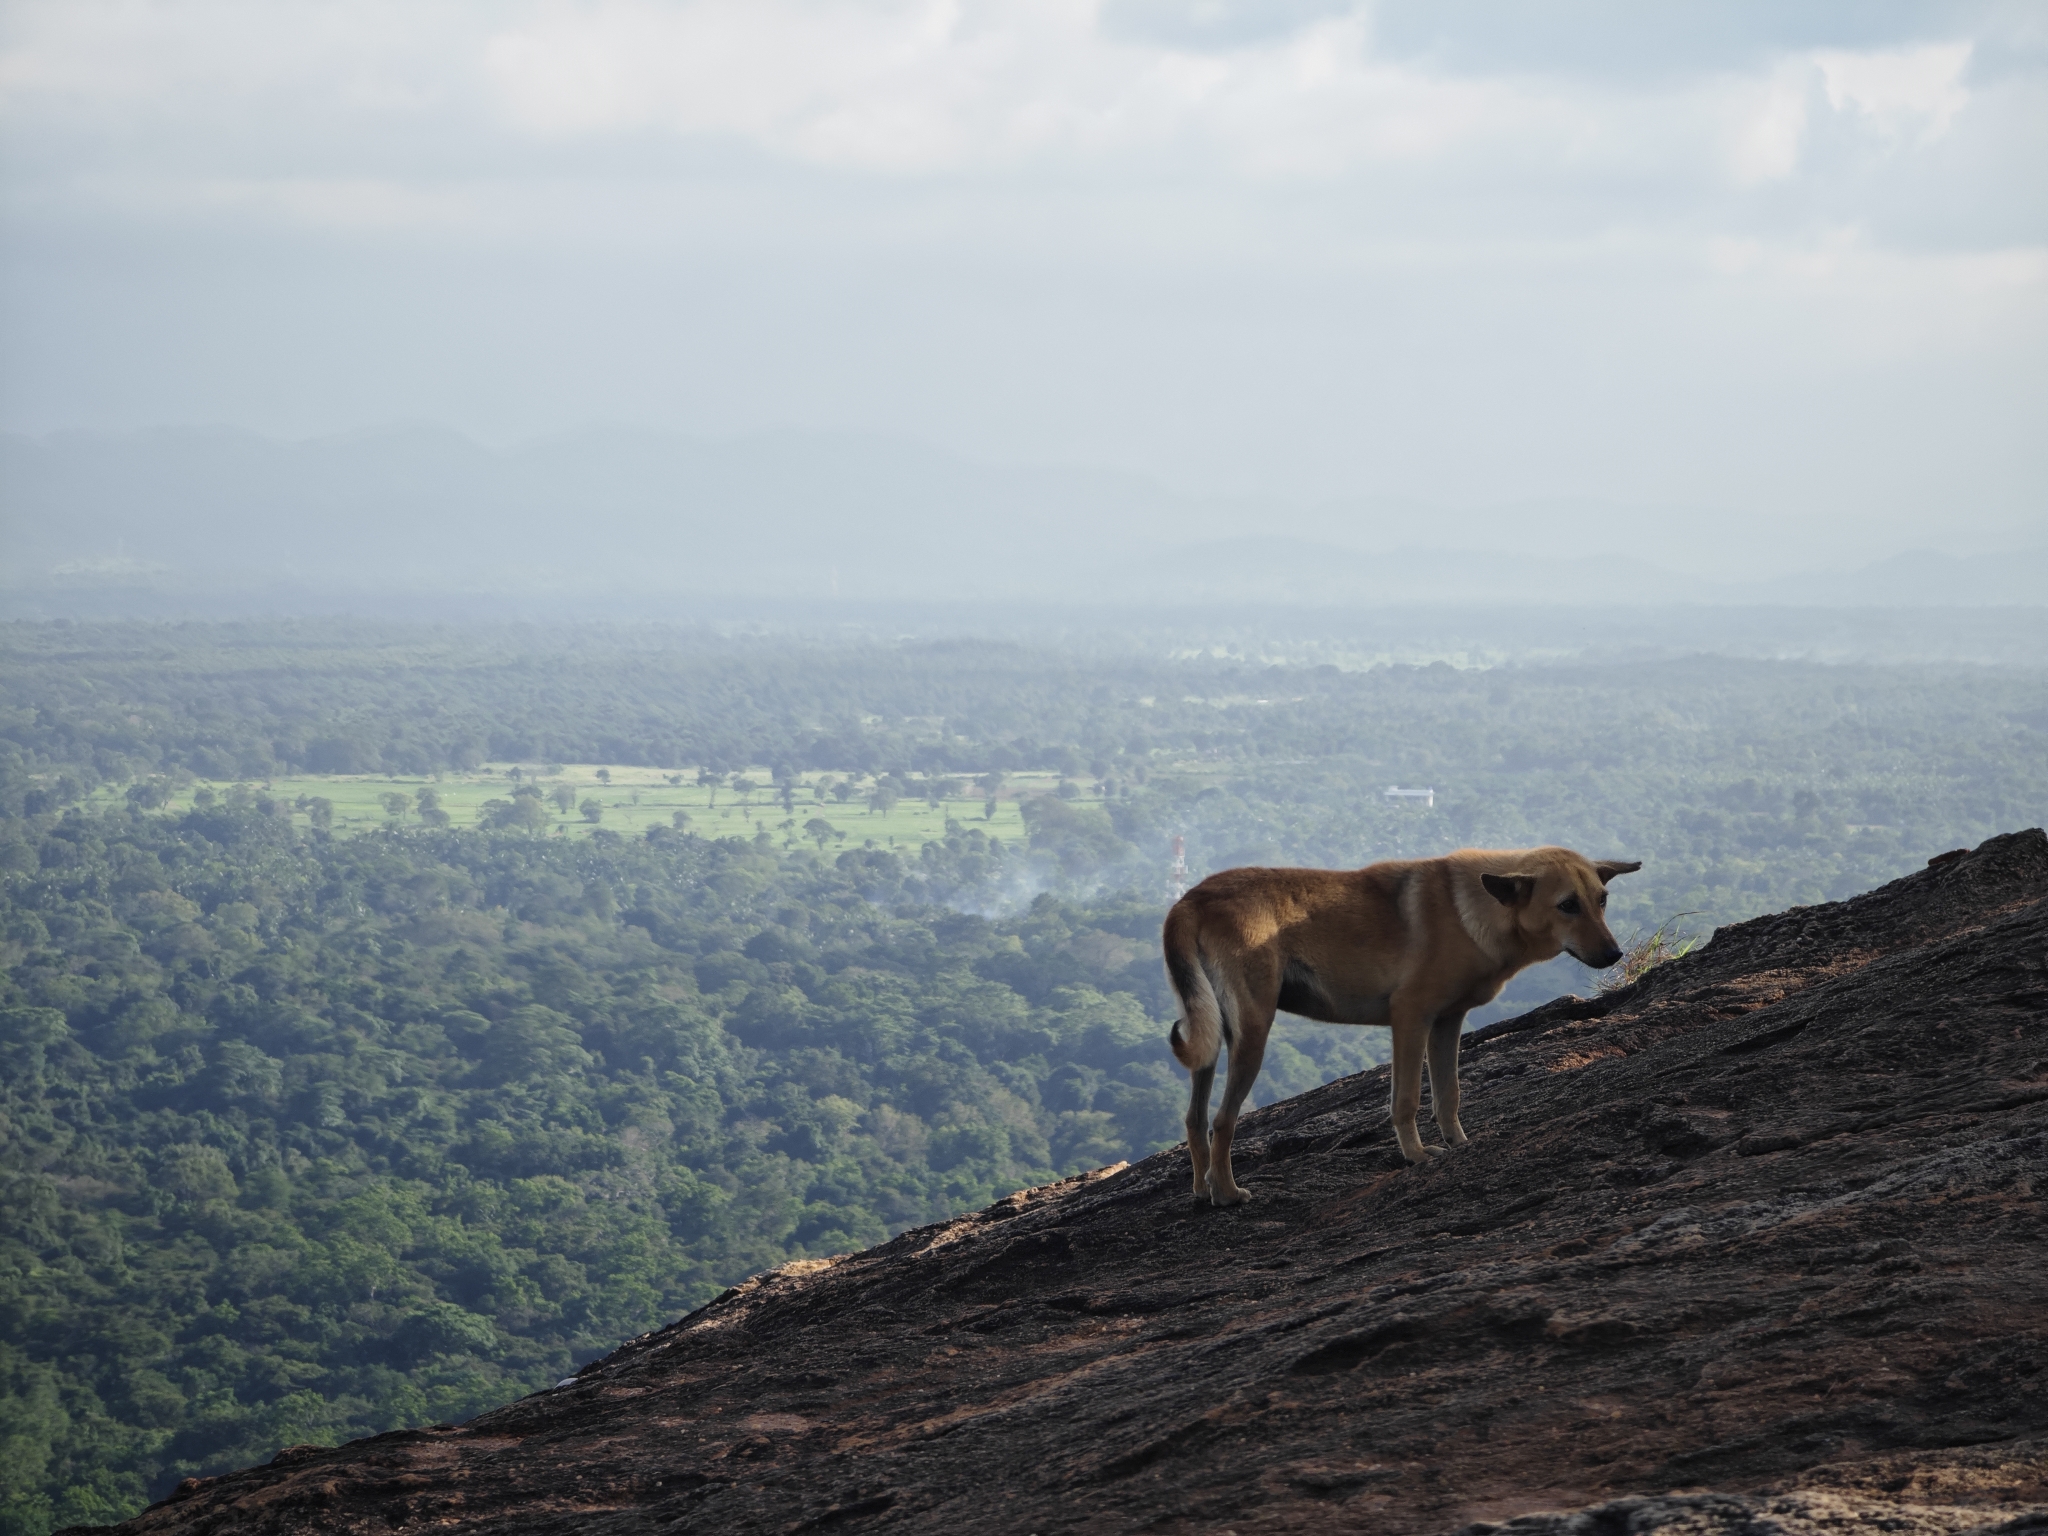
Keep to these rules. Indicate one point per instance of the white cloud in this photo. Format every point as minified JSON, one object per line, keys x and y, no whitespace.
{"x":911,"y":87}
{"x":924,"y":85}
{"x":1769,"y":124}
{"x":117,"y":63}
{"x":373,"y":89}
{"x":1900,"y":96}
{"x":1915,"y":91}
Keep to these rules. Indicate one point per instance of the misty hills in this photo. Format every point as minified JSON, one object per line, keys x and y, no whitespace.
{"x":1748,"y":1246}
{"x":152,"y":515}
{"x":638,"y":511}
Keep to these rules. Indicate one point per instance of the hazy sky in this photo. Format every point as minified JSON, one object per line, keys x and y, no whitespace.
{"x":1774,"y":258}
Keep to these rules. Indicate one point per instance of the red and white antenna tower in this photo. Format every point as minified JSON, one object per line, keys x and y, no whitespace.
{"x":1179,"y":871}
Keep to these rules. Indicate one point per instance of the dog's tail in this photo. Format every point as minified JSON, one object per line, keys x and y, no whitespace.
{"x":1197,"y":1035}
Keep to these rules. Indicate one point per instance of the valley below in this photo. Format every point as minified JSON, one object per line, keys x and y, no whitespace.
{"x":1750,"y":1245}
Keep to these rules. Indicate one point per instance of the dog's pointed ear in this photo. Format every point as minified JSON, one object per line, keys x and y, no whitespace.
{"x":1607,"y":869}
{"x":1509,"y":890}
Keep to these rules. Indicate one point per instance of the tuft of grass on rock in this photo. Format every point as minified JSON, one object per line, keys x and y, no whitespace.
{"x":1645,"y":952}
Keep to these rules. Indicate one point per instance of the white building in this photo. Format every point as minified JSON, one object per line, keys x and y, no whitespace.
{"x":1426,"y":796}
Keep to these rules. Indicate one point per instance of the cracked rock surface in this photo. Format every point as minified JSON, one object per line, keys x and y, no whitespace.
{"x":1755,"y":1245}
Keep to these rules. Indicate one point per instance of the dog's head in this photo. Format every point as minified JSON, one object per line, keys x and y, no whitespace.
{"x":1560,"y":905}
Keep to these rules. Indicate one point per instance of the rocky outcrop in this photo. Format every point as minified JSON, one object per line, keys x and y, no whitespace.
{"x":1754,"y":1245}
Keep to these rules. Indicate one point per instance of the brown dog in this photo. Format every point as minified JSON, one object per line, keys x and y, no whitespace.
{"x":1411,"y":943}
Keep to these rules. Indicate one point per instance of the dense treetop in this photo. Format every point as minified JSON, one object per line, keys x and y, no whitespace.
{"x":309,"y":1136}
{"x":304,"y":1135}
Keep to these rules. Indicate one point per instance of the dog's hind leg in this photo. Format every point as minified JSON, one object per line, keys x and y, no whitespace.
{"x":1444,"y":1035}
{"x":1198,"y":1127}
{"x":1247,"y":1052}
{"x":1197,"y":1035}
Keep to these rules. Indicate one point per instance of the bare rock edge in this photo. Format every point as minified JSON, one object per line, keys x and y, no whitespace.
{"x":1755,"y":1245}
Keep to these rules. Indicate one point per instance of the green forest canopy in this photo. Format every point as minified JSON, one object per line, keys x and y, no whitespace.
{"x":306,"y":1136}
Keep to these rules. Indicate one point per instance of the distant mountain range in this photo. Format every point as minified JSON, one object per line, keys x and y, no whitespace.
{"x":583,"y":519}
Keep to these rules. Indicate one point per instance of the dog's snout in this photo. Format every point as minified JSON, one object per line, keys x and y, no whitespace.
{"x":1605,"y":958}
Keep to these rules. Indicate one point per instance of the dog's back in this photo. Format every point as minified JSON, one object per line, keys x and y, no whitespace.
{"x":1308,"y":936}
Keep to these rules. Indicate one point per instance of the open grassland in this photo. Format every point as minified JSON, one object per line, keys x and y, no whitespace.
{"x":631,"y":800}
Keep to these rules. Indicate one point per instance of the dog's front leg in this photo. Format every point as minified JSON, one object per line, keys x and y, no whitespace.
{"x":1444,"y":1036}
{"x":1411,"y":1035}
{"x":1198,"y":1126}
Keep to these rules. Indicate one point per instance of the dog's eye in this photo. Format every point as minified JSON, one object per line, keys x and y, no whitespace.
{"x":1569,"y":906}
{"x":1603,"y":901}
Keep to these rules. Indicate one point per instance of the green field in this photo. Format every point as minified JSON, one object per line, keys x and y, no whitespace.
{"x":635,"y":799}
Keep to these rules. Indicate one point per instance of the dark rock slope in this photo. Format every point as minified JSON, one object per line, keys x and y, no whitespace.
{"x":1754,"y":1245}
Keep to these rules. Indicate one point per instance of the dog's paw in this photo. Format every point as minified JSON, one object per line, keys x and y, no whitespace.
{"x":1229,"y":1196}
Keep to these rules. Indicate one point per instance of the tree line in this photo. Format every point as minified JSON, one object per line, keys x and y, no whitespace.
{"x":307,"y":1137}
{"x":304,"y":1136}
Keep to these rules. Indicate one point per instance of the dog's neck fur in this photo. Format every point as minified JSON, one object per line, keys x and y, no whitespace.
{"x":1486,"y":922}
